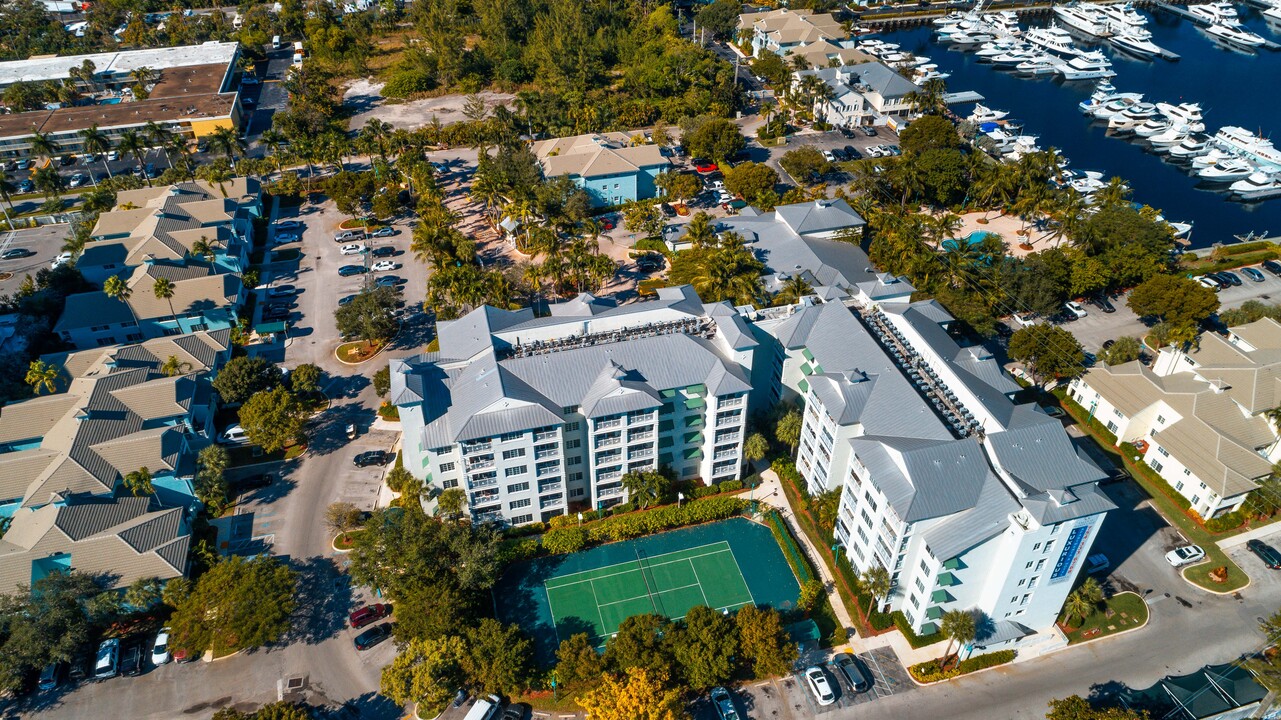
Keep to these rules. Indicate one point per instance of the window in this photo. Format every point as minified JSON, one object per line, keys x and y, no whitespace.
{"x":571,"y":444}
{"x":1117,"y":413}
{"x":1054,"y":530}
{"x":508,"y":437}
{"x":1160,"y":419}
{"x":450,"y":484}
{"x":925,"y":567}
{"x":1187,"y":472}
{"x":569,"y":409}
{"x":1179,"y":486}
{"x":915,"y":603}
{"x":575,"y":460}
{"x":1032,"y":583}
{"x":1112,"y":427}
{"x":518,"y":487}
{"x":1196,"y":499}
{"x":1021,"y":582}
{"x":576,"y":492}
{"x":513,"y":454}
{"x":1040,"y":564}
{"x":1203,"y":487}
{"x":1025,"y":599}
{"x":1036,"y":547}
{"x":515,"y":470}
{"x":1049,"y":545}
{"x":1163,"y":451}
{"x":518,"y":504}
{"x":521,"y":519}
{"x":1028,"y":566}
{"x":920,"y":585}
{"x":447,"y":467}
{"x":570,"y":427}
{"x":1156,"y":465}
{"x":1014,"y":599}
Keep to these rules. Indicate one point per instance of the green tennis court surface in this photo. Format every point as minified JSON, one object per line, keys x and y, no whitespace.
{"x":668,"y":584}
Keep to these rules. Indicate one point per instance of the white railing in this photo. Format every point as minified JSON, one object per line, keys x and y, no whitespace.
{"x":636,"y":437}
{"x":544,"y":454}
{"x":479,"y":465}
{"x":548,"y":435}
{"x":725,"y":421}
{"x":478,"y":447}
{"x":608,"y":441}
{"x":726,"y":437}
{"x":549,"y":487}
{"x":609,"y":492}
{"x":607,"y":424}
{"x":544,"y":472}
{"x":730,"y":402}
{"x":491,"y":482}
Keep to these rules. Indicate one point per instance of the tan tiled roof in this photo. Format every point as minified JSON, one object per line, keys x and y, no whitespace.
{"x":596,"y":155}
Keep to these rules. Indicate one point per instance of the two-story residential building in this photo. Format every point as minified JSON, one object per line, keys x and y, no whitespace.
{"x":786,"y":32}
{"x":868,"y":93}
{"x":534,"y":416}
{"x":609,"y":166}
{"x":1198,"y":416}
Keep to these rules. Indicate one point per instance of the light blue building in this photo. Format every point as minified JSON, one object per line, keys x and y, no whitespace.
{"x":607,"y":165}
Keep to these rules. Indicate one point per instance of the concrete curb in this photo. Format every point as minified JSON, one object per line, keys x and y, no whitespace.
{"x":1183,"y":575}
{"x":912,"y":677}
{"x":1123,"y":632}
{"x":362,"y":362}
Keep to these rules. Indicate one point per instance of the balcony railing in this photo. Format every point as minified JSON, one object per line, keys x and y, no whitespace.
{"x":725,"y":421}
{"x":491,"y":482}
{"x":609,"y":457}
{"x":607,"y":476}
{"x":607,"y":441}
{"x":479,"y":465}
{"x":726,"y":437}
{"x":549,"y":502}
{"x":546,"y":471}
{"x":639,"y":453}
{"x":636,"y":437}
{"x":607,"y":424}
{"x":723,"y":454}
{"x":731,"y":402}
{"x":478,"y":447}
{"x":643,"y":417}
{"x":549,"y":487}
{"x":484,"y":498}
{"x":544,"y":454}
{"x":609,"y":491}
{"x":545,"y":435}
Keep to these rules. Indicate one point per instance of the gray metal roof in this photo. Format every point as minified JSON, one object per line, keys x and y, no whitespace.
{"x":819,"y":216}
{"x":942,"y":477}
{"x":618,"y":391}
{"x":987,"y":518}
{"x":1036,"y":451}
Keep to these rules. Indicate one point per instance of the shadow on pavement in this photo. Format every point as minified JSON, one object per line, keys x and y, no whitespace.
{"x":324,"y":600}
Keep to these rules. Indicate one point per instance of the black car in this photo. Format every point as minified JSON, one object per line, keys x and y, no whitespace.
{"x":16,"y":253}
{"x":349,"y":270}
{"x":279,"y":291}
{"x":1273,"y":267}
{"x":1231,"y":277}
{"x":1101,"y":302}
{"x":346,"y":301}
{"x":383,"y":251}
{"x":390,"y":281}
{"x":372,"y":457}
{"x":253,"y":482}
{"x":373,"y":636}
{"x":132,"y":657}
{"x":1266,"y":553}
{"x":852,"y":152}
{"x":667,"y":210}
{"x":651,"y":261}
{"x":514,"y":712}
{"x":854,"y":670}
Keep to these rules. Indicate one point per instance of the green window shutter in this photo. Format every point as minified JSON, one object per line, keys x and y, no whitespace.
{"x":806,"y":369}
{"x":808,"y":355}
{"x":693,"y":454}
{"x":941,"y":596}
{"x":803,"y":386}
{"x":947,"y":579}
{"x":928,"y":629}
{"x":693,"y":438}
{"x":694,"y":421}
{"x":695,"y":403}
{"x":699,"y":389}
{"x":953,"y":564}
{"x":934,"y":613}
{"x":667,"y":393}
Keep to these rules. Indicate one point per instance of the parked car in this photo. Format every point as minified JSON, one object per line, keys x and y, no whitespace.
{"x":1209,"y":282}
{"x":383,"y":251}
{"x":254,"y":482}
{"x":649,"y":262}
{"x":107,"y":664}
{"x":234,"y":435}
{"x":62,"y":259}
{"x":869,"y":131}
{"x":277,"y":291}
{"x":26,"y":186}
{"x":77,"y":180}
{"x":703,"y":167}
{"x":50,"y":677}
{"x":16,"y":253}
{"x":288,"y":225}
{"x":361,"y":617}
{"x":249,"y":79}
{"x":1053,"y":411}
{"x":372,"y":457}
{"x":1253,"y":274}
{"x":1272,"y":266}
{"x":816,"y":680}
{"x":515,"y":711}
{"x":390,"y":281}
{"x":1230,"y":277}
{"x":385,"y":266}
{"x":724,"y":704}
{"x":132,"y":657}
{"x":384,"y":231}
{"x":344,"y":301}
{"x":1186,"y":555}
{"x":150,"y":171}
{"x":1097,"y":564}
{"x":1076,"y":308}
{"x":283,"y":238}
{"x":349,"y":270}
{"x":854,"y":670}
{"x":353,"y":249}
{"x":852,"y":153}
{"x":347,"y":235}
{"x":1025,"y":319}
{"x":1265,"y":552}
{"x":373,"y":636}
{"x":160,"y":648}
{"x":828,"y":156}
{"x":1103,"y":303}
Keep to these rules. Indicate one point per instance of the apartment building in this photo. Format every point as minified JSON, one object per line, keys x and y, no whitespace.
{"x":869,"y":93}
{"x":1197,"y":416}
{"x":970,"y":502}
{"x":609,"y":166}
{"x":786,"y":32}
{"x":536,"y":416}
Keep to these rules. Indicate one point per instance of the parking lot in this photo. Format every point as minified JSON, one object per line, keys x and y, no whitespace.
{"x":44,"y":243}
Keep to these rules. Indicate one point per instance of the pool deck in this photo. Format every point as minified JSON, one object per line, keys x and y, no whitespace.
{"x":1007,"y":227}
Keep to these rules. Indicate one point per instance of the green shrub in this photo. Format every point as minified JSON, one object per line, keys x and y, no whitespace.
{"x":1225,"y":522}
{"x":524,"y":530}
{"x":799,"y":563}
{"x":730,"y":486}
{"x":636,"y":524}
{"x":622,"y":508}
{"x":407,"y":82}
{"x":653,"y":245}
{"x":518,"y":549}
{"x":811,"y":593}
{"x":930,"y":671}
{"x":564,"y":540}
{"x":916,"y":641}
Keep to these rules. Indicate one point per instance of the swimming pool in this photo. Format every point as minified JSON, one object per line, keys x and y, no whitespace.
{"x":973,"y":238}
{"x":109,"y":101}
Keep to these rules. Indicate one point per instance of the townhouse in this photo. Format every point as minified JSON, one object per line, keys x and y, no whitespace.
{"x":785,"y":31}
{"x":609,"y":166}
{"x":868,"y":93}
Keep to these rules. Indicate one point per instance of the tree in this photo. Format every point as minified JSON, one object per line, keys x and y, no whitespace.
{"x":805,"y":164}
{"x":1078,"y":708}
{"x":640,"y":643}
{"x":426,"y":672}
{"x":305,"y":379}
{"x":115,"y":288}
{"x":1178,"y":301}
{"x":812,"y":592}
{"x":237,"y":604}
{"x":959,"y":627}
{"x":932,"y":132}
{"x":755,"y":447}
{"x":144,"y":593}
{"x":646,"y":487}
{"x":451,"y":502}
{"x":131,"y":142}
{"x":342,"y":517}
{"x":210,"y":485}
{"x":1122,"y":350}
{"x":750,"y":180}
{"x":717,"y":139}
{"x":382,"y":381}
{"x":43,"y":375}
{"x":718,"y":18}
{"x":642,"y":217}
{"x":139,"y":482}
{"x":1270,"y":627}
{"x":43,"y":623}
{"x":577,"y":661}
{"x":243,"y":376}
{"x":163,"y":289}
{"x":641,"y":695}
{"x":1082,"y":601}
{"x":679,"y":186}
{"x":273,"y":418}
{"x":173,"y":367}
{"x":875,"y":581}
{"x":497,"y":658}
{"x":766,"y":646}
{"x":369,"y":316}
{"x":788,"y":429}
{"x":704,"y":645}
{"x":1048,"y":351}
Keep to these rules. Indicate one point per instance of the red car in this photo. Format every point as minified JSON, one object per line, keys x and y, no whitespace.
{"x":704,"y":166}
{"x":369,"y":614}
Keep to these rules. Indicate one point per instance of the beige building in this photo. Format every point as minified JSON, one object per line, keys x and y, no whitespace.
{"x":787,"y":32}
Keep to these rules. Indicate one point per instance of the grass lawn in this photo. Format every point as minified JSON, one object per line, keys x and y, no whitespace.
{"x":358,"y":351}
{"x":1200,"y":574}
{"x":345,"y":541}
{"x":244,"y":454}
{"x":1120,"y":612}
{"x":388,"y":412}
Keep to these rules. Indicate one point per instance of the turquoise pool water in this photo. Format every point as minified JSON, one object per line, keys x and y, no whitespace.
{"x":973,"y":238}
{"x":110,"y":101}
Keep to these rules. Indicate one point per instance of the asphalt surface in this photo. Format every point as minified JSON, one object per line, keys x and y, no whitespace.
{"x":45,"y":242}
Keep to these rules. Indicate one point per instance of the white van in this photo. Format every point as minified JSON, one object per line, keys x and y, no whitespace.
{"x":234,"y":435}
{"x":275,"y":42}
{"x":237,"y":21}
{"x":297,"y":59}
{"x":108,"y":660}
{"x":484,"y":709}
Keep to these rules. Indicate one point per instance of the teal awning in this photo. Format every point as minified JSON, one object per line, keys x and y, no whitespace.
{"x":268,"y":328}
{"x":940,"y":596}
{"x":947,"y":579}
{"x":693,"y":454}
{"x":695,"y":403}
{"x":934,"y":613}
{"x":953,"y":564}
{"x":808,"y":355}
{"x":803,"y":385}
{"x":928,"y":628}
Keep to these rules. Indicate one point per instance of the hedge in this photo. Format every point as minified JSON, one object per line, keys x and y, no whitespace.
{"x":1128,"y":451}
{"x":625,"y":527}
{"x":1225,"y":522}
{"x":800,"y":566}
{"x":1081,"y":415}
{"x":928,"y":672}
{"x":916,"y":641}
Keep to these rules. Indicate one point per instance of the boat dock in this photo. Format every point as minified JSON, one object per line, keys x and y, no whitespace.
{"x":1198,"y":20}
{"x":958,"y":98}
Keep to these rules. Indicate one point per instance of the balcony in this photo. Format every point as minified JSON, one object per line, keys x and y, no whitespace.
{"x":545,"y":503}
{"x":725,"y":437}
{"x":485,"y":498}
{"x":547,"y":487}
{"x":608,"y":441}
{"x":545,"y":435}
{"x":608,"y":424}
{"x":727,"y":470}
{"x":639,"y":453}
{"x":730,"y":402}
{"x":638,"y":436}
{"x":613,"y":491}
{"x":642,"y":417}
{"x":724,"y":454}
{"x":495,"y":515}
{"x":727,"y":420}
{"x":491,"y":482}
{"x":479,"y":465}
{"x":608,"y":457}
{"x":544,"y":454}
{"x":607,"y":476}
{"x":548,"y":471}
{"x":476,"y":447}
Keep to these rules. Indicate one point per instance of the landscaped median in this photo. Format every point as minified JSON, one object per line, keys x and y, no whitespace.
{"x":1119,"y":613}
{"x":359,"y":351}
{"x":1162,"y":498}
{"x":932,"y":671}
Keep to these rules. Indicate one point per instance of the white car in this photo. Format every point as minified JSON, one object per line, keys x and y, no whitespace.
{"x":384,"y":266}
{"x":816,"y":680}
{"x":1206,"y":282}
{"x":1186,"y":555}
{"x":62,"y":259}
{"x":828,"y":156}
{"x":113,"y":155}
{"x":77,"y":180}
{"x":282,"y":238}
{"x":160,"y":649}
{"x":353,"y":249}
{"x":1075,"y":308}
{"x":1025,"y":319}
{"x":234,"y":435}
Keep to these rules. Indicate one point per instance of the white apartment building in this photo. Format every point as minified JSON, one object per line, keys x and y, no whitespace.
{"x":534,"y":417}
{"x":971,"y":502}
{"x":869,"y":93}
{"x":1197,"y":416}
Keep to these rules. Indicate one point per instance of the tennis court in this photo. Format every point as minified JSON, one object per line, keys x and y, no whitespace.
{"x":723,"y":565}
{"x":668,"y":584}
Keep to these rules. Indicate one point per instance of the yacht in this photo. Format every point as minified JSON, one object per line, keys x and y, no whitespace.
{"x":1103,"y":93}
{"x":1234,"y":33}
{"x":1123,"y":16}
{"x":1085,"y":18}
{"x":1228,"y":170}
{"x":1152,"y":127}
{"x":1190,"y":147}
{"x":1055,"y":39}
{"x":1257,"y":186}
{"x":1087,"y":67}
{"x":1210,"y":157}
{"x":1187,"y":114}
{"x":983,"y":114}
{"x":1087,"y":185}
{"x":1005,"y":22}
{"x":990,"y":50}
{"x":925,"y":74}
{"x":1115,"y":106}
{"x":1215,"y":12}
{"x":1167,"y":139}
{"x":1136,"y":41}
{"x":1246,"y":143}
{"x":974,"y":37}
{"x":1132,"y":117}
{"x":1038,"y":65}
{"x":1014,"y":57}
{"x":1273,"y":14}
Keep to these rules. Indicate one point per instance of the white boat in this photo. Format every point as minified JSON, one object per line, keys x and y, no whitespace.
{"x":1247,"y":144}
{"x":1189,"y":147}
{"x":1103,"y":92}
{"x":990,"y":50}
{"x":1214,"y":12}
{"x":1123,"y":16}
{"x":1136,"y":41}
{"x":970,"y":38}
{"x":1181,"y":230}
{"x":1014,"y":57}
{"x":1257,"y":186}
{"x":1039,"y":65}
{"x":1151,"y":127}
{"x":1087,"y":66}
{"x":1210,"y":157}
{"x":1186,"y":114}
{"x":1132,"y":117}
{"x":1005,"y":22}
{"x":1055,"y":39}
{"x":1273,"y":14}
{"x":1228,"y":170}
{"x":925,"y":76}
{"x":1168,"y":138}
{"x":1236,"y":34}
{"x":984,"y":114}
{"x":1086,"y":185}
{"x":1085,"y":18}
{"x":1115,"y":105}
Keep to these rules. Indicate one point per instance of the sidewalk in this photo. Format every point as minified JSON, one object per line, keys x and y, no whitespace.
{"x":1243,"y":538}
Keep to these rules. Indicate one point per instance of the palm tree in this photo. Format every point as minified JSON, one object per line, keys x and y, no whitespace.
{"x":144,"y":76}
{"x":275,"y":141}
{"x":958,"y":627}
{"x":226,"y":141}
{"x":163,"y":288}
{"x":42,"y":375}
{"x":48,"y":181}
{"x":41,"y":144}
{"x":1077,"y":605}
{"x":7,"y":189}
{"x":159,"y":136}
{"x":139,"y":482}
{"x":700,"y":231}
{"x":202,"y":248}
{"x":875,"y":581}
{"x":96,"y":142}
{"x":132,"y":143}
{"x":173,"y":366}
{"x":115,"y":288}
{"x":377,"y":131}
{"x":1116,"y":192}
{"x":793,"y":290}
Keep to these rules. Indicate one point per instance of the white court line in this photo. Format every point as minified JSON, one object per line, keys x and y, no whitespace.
{"x":552,"y":583}
{"x":697,"y":581}
{"x":599,"y":616}
{"x":637,"y":597}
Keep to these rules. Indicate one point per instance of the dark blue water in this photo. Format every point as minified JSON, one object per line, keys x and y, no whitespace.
{"x":1234,"y":88}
